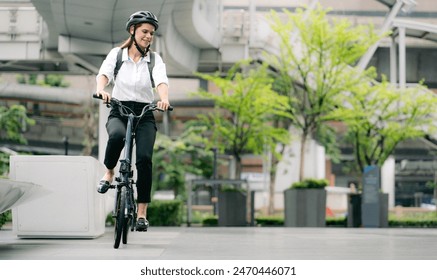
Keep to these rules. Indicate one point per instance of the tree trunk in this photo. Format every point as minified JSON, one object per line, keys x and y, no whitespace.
{"x":274,"y":164}
{"x":238,"y":167}
{"x":271,"y":208}
{"x":303,"y":141}
{"x":90,"y":120}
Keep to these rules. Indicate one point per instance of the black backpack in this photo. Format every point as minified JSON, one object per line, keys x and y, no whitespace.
{"x":151,"y":64}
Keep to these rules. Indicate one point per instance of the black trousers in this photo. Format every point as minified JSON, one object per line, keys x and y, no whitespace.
{"x":145,"y":135}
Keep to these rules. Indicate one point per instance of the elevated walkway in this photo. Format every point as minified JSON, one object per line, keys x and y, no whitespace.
{"x":69,"y":37}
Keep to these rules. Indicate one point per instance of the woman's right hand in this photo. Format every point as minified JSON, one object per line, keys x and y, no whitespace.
{"x":106,"y":97}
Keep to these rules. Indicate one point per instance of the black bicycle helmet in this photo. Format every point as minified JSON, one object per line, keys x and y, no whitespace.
{"x":142,"y":17}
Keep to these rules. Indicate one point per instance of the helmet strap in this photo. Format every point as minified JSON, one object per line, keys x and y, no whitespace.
{"x":142,"y":52}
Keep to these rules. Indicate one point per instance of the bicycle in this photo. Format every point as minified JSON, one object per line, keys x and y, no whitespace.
{"x":125,"y":212}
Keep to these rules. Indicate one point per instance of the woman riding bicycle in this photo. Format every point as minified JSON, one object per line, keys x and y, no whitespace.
{"x":133,"y":86}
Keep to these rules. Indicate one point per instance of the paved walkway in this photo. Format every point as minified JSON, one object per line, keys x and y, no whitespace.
{"x":239,"y":243}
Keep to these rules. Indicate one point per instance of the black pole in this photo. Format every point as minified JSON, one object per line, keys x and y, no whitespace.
{"x":66,"y":144}
{"x":214,"y":174}
{"x":215,"y":187}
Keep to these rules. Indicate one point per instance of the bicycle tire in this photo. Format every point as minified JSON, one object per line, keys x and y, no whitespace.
{"x":126,"y":229}
{"x":120,"y":220}
{"x":131,"y":215}
{"x":133,"y":221}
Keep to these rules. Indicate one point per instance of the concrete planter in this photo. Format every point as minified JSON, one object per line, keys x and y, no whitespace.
{"x":232,"y":208}
{"x":305,"y":207}
{"x":355,"y":211}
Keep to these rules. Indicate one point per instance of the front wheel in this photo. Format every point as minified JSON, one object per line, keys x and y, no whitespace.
{"x":120,"y":220}
{"x":127,"y":222}
{"x":130,"y":216}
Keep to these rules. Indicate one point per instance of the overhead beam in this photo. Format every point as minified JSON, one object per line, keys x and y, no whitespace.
{"x":74,"y":45}
{"x":77,"y":61}
{"x":364,"y":61}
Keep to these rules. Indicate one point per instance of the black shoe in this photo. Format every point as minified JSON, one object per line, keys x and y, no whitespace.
{"x":142,"y":224}
{"x":103,"y":186}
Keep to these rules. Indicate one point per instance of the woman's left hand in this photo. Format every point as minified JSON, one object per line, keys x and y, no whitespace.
{"x":163,"y":105}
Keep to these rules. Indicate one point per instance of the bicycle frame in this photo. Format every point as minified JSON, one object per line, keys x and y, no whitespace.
{"x":126,"y":174}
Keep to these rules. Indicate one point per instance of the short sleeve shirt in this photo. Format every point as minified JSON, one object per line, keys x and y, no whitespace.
{"x":133,"y":79}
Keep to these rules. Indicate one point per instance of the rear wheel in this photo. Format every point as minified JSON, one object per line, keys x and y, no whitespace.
{"x":133,"y":221}
{"x":120,"y":220}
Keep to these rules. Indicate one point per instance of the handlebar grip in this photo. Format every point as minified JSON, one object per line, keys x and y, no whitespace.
{"x":97,"y":96}
{"x":170,"y":108}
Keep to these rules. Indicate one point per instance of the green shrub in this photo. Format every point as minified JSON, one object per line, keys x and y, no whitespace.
{"x":311,"y":184}
{"x":336,"y":222}
{"x":165,"y":212}
{"x":110,"y":221}
{"x":422,"y":220}
{"x":269,"y":221}
{"x":210,"y":221}
{"x":5,"y":217}
{"x":231,"y":188}
{"x":197,"y":216}
{"x":159,"y":213}
{"x":266,"y":221}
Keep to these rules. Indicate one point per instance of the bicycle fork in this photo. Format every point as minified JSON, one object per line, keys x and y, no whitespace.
{"x":125,"y":178}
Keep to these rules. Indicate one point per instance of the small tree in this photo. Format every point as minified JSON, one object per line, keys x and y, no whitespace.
{"x":379,"y":116}
{"x":243,"y":112}
{"x":174,"y":159}
{"x":13,"y":121}
{"x":314,"y":66}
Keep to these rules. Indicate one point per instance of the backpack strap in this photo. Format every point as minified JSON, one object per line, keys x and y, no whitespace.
{"x":151,"y":64}
{"x":119,"y":62}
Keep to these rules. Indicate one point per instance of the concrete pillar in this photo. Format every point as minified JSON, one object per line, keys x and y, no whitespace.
{"x":402,"y":58}
{"x":393,"y":61}
{"x":388,"y":180}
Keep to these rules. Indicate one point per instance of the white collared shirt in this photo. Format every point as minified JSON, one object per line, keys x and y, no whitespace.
{"x":133,"y":79}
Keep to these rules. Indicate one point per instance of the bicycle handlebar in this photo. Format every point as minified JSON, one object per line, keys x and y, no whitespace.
{"x":122,"y":108}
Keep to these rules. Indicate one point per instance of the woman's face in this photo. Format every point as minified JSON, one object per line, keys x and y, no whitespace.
{"x":144,"y":34}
